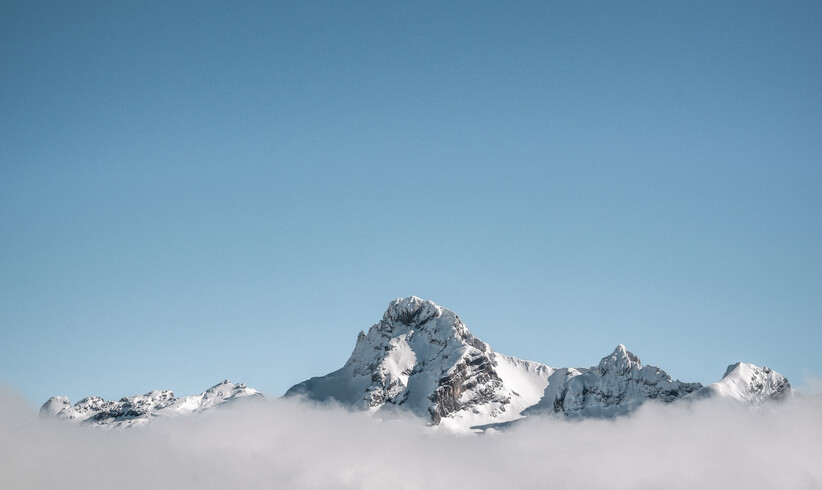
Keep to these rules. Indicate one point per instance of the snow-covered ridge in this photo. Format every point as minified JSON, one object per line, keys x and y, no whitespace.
{"x":616,"y":386}
{"x":138,"y":409}
{"x":421,"y":357}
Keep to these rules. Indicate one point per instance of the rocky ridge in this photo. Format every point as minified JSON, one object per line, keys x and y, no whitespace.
{"x":616,"y":386}
{"x":139,"y":409}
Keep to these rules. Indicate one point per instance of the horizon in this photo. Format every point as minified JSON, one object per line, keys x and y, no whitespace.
{"x":201,"y":191}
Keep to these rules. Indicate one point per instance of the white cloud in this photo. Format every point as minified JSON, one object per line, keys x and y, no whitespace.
{"x":286,"y":444}
{"x":811,"y":384}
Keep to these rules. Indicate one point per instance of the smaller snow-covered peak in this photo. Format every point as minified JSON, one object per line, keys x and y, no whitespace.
{"x":620,"y":360}
{"x":227,"y":389}
{"x":753,"y":383}
{"x":616,"y":386}
{"x":749,"y":383}
{"x":746,"y":370}
{"x":54,"y":406}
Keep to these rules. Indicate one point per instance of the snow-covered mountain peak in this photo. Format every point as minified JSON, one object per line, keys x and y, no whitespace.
{"x":621,"y":360}
{"x":423,"y":323}
{"x":54,"y":406}
{"x":752,"y":383}
{"x":417,"y":316}
{"x":747,"y":383}
{"x":422,"y":357}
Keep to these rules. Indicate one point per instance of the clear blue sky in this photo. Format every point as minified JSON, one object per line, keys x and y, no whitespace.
{"x":208,"y":190}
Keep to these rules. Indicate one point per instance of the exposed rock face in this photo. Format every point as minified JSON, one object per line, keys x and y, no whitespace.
{"x":138,"y":409}
{"x":421,"y":357}
{"x":474,"y":376}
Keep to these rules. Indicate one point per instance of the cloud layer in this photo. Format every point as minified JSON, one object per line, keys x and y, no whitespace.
{"x":288,"y":444}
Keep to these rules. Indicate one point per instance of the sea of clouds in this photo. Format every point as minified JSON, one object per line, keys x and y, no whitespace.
{"x":293,"y":445}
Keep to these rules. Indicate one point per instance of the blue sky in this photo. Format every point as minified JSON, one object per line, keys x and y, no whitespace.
{"x":211,"y":190}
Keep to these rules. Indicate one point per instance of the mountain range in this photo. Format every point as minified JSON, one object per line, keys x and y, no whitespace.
{"x":422,"y":358}
{"x":140,"y":409}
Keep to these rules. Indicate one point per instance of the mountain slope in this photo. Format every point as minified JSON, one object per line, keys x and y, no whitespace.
{"x":138,"y":409}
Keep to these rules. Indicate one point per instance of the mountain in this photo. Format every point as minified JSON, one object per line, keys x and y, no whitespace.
{"x":139,"y":409}
{"x":746,"y":382}
{"x":422,"y":358}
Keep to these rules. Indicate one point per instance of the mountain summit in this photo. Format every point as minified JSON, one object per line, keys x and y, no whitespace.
{"x":421,"y":357}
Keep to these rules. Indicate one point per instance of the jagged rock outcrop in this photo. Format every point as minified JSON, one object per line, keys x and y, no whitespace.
{"x":139,"y":409}
{"x":616,"y":386}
